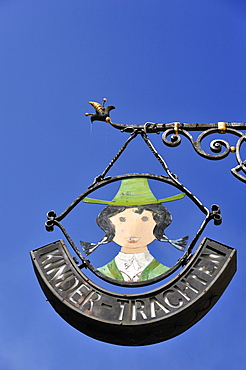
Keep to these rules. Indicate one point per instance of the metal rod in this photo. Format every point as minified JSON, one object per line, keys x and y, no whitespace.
{"x":151,"y":127}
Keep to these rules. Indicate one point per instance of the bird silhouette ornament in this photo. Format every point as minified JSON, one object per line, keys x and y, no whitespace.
{"x":102,"y":113}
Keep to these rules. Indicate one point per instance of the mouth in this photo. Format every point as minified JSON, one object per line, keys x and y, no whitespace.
{"x":132,"y":239}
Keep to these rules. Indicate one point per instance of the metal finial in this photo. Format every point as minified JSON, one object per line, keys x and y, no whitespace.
{"x":101,"y":112}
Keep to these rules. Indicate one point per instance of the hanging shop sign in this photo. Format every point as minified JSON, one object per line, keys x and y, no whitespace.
{"x":133,"y":218}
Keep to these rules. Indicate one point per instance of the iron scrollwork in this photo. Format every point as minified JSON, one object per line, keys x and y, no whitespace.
{"x":171,"y":307}
{"x":219,"y":147}
{"x":101,"y":180}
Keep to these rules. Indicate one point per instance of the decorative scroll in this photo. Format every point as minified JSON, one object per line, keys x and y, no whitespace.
{"x":220,"y":148}
{"x":100,"y":181}
{"x":133,"y":219}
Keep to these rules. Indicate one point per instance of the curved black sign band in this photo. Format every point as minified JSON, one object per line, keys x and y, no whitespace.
{"x":134,"y":319}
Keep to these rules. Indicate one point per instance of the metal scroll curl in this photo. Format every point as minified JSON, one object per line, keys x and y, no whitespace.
{"x":220,"y":147}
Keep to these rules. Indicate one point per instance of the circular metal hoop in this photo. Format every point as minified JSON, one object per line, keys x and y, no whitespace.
{"x":52,"y":218}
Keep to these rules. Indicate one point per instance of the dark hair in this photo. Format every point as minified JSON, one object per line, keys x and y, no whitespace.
{"x":161,"y":216}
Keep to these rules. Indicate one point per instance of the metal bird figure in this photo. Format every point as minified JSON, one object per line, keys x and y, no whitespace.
{"x":102,"y":113}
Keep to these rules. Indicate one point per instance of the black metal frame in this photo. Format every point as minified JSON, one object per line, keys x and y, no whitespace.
{"x":100,"y":181}
{"x":175,"y":130}
{"x":167,"y":310}
{"x":220,"y":147}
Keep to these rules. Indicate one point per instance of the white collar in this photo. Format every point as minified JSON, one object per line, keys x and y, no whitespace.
{"x":131,"y":265}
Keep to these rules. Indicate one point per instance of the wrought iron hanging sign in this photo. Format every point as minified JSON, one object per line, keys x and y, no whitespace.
{"x":133,"y":218}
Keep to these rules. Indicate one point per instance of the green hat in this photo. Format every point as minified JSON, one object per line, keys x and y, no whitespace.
{"x":134,"y":192}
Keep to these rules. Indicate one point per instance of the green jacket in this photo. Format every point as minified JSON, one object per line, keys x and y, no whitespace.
{"x":153,"y":269}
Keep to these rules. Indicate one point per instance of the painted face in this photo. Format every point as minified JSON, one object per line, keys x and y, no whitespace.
{"x":133,"y":231}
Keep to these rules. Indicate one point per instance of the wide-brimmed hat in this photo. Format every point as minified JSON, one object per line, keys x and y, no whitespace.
{"x":134,"y":192}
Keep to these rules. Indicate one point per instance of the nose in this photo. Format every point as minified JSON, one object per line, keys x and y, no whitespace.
{"x":133,"y":226}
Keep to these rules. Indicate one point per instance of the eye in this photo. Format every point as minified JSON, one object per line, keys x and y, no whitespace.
{"x":144,"y":218}
{"x":122,"y":219}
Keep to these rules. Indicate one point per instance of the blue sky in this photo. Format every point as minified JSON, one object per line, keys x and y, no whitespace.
{"x":158,"y":61}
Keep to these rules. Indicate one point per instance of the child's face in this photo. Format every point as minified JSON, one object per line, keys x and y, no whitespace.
{"x":133,"y":230}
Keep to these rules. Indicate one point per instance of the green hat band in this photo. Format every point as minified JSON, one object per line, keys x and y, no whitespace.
{"x":134,"y":192}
